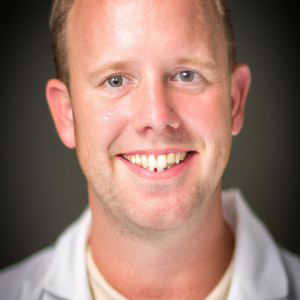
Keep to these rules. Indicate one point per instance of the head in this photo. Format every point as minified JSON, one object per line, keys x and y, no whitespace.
{"x":58,"y":24}
{"x":148,"y":78}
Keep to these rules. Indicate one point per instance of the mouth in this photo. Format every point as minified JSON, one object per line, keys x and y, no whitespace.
{"x":156,"y":163}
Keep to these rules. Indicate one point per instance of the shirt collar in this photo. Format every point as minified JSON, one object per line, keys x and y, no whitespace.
{"x":259,"y":271}
{"x":66,"y":277}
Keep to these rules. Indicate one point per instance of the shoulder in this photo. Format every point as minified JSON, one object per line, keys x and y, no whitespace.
{"x":25,"y":275}
{"x":58,"y":270}
{"x":292,"y":265}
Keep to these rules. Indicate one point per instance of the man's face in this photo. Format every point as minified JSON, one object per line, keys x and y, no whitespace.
{"x":150,"y":77}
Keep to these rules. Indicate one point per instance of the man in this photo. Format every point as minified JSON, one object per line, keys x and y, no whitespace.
{"x":150,"y":95}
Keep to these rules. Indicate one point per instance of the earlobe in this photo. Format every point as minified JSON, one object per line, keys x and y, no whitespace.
{"x":240,"y":84}
{"x":61,"y":109}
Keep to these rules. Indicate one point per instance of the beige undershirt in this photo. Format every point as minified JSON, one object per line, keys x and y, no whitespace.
{"x":101,"y":290}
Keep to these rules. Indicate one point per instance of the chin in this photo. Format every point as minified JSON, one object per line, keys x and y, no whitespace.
{"x":161,"y":211}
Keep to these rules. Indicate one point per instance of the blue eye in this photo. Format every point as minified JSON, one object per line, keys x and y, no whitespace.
{"x":116,"y":81}
{"x":185,"y":76}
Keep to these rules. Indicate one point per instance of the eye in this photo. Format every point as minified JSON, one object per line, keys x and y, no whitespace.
{"x":116,"y":81}
{"x":185,"y":76}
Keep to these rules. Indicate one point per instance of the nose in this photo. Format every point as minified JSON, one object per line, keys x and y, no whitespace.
{"x":154,"y":109}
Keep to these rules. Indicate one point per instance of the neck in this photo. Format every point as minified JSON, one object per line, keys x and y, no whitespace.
{"x":179,"y":264}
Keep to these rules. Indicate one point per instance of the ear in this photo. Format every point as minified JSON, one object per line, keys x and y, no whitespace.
{"x":240,"y":84}
{"x":61,"y":109}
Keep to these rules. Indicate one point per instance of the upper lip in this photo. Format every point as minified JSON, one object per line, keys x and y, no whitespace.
{"x":157,"y":152}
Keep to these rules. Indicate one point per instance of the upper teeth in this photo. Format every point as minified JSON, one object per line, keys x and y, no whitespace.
{"x":159,"y":162}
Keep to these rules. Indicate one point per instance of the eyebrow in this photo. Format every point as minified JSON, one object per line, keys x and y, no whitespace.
{"x":198,"y":62}
{"x":113,"y":66}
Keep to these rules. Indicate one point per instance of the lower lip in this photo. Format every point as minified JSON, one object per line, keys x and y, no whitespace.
{"x":158,"y":176}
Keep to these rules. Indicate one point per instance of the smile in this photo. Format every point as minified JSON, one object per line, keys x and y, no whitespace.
{"x":157,"y":163}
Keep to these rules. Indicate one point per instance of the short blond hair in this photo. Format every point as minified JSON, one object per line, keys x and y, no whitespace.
{"x":58,"y":24}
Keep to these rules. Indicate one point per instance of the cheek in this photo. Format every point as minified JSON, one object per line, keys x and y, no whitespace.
{"x":207,"y":115}
{"x":97,"y":123}
{"x":209,"y":119}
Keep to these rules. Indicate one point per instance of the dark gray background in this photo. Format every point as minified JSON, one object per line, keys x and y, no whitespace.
{"x":42,"y":187}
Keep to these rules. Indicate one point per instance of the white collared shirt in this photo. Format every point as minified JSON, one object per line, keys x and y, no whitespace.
{"x":59,"y":272}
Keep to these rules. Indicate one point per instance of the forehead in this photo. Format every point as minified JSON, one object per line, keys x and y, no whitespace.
{"x":175,"y":25}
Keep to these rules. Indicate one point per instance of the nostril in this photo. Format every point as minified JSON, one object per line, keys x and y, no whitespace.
{"x":149,"y":130}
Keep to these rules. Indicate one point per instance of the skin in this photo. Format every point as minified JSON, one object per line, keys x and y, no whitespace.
{"x":162,"y":238}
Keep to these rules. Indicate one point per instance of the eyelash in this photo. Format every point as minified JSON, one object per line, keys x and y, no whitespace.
{"x":126,"y":80}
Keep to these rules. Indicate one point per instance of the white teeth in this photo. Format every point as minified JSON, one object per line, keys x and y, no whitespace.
{"x":152,"y":161}
{"x":133,"y":159}
{"x":159,"y":163}
{"x":170,"y":165}
{"x":171,"y":158}
{"x":138,"y":160}
{"x":145,"y":161}
{"x":151,"y":169}
{"x":177,"y":159}
{"x":183,"y":155}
